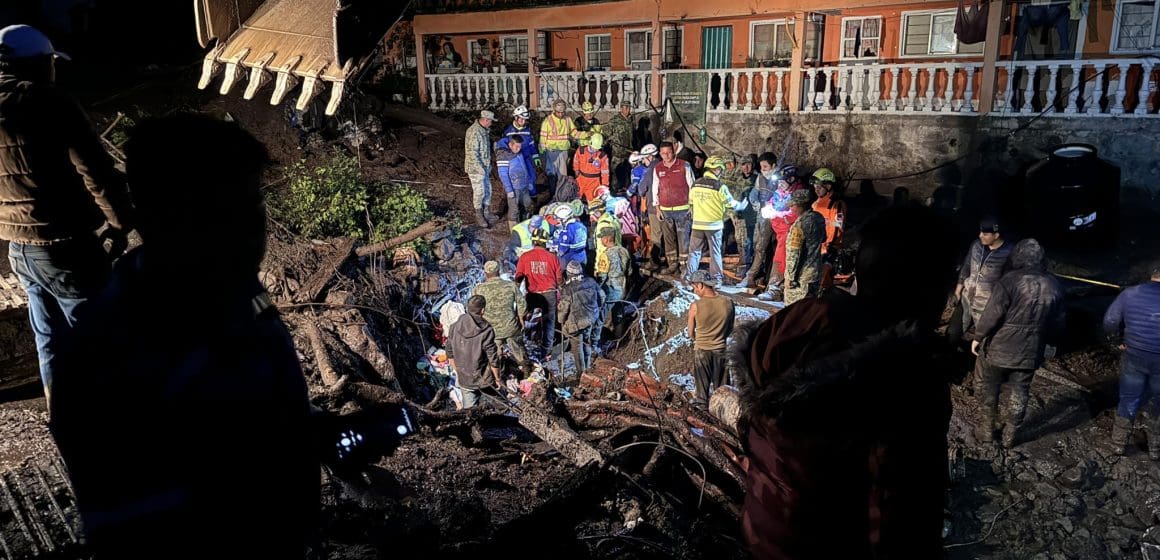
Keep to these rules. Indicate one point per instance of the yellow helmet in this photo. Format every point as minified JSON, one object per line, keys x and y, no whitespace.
{"x":588,"y":108}
{"x":715,"y":162}
{"x":596,"y":140}
{"x":824,"y":175}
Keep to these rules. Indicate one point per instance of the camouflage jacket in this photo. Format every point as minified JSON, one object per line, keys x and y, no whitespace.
{"x":617,"y":260}
{"x":505,"y":306}
{"x":739,"y":187}
{"x":618,"y":136}
{"x":803,"y":252}
{"x":477,"y":150}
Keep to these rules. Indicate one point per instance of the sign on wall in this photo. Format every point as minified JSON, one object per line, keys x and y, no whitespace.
{"x":688,"y":92}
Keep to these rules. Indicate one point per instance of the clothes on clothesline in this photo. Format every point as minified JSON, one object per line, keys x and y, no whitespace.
{"x":1057,"y":16}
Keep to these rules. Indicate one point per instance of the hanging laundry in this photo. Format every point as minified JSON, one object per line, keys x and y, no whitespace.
{"x":971,"y":25}
{"x":1039,"y":15}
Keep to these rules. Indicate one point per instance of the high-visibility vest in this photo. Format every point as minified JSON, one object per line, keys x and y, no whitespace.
{"x":556,"y":134}
{"x":834,"y":212}
{"x":524,"y":231}
{"x":709,"y":197}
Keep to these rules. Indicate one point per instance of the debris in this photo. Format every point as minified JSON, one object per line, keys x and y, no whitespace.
{"x":423,"y":229}
{"x":321,"y":278}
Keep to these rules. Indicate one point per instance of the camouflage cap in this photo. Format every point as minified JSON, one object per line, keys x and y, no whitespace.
{"x":491,"y":267}
{"x":800,"y":197}
{"x":606,"y":232}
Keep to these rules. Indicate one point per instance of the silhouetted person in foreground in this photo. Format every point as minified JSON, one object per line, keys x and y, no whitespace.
{"x":845,"y":408}
{"x":181,"y":410}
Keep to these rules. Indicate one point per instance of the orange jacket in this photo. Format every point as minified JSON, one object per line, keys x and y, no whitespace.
{"x":834,"y":211}
{"x":591,"y":170}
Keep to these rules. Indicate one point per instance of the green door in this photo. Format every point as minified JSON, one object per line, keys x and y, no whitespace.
{"x":717,"y":47}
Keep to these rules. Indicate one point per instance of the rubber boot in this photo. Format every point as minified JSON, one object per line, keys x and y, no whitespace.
{"x":1016,"y":412}
{"x":480,"y":220}
{"x":985,"y":431}
{"x":772,"y":293}
{"x":1154,"y":438}
{"x":1121,"y":431}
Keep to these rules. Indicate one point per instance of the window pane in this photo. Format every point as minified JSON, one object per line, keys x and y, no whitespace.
{"x":1136,"y":24}
{"x":605,"y":59}
{"x":869,"y":48}
{"x":542,"y":46}
{"x":942,"y":34}
{"x":851,"y":30}
{"x":606,"y":43}
{"x":784,"y":43}
{"x":848,"y":49}
{"x":763,"y":41}
{"x":870,"y":27}
{"x":637,"y":51}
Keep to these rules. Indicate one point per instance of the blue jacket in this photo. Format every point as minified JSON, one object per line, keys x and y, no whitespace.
{"x":1136,"y":315}
{"x":528,"y":149}
{"x":512,"y":170}
{"x":572,"y":243}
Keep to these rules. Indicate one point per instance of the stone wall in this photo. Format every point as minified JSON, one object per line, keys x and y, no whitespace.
{"x":887,"y":146}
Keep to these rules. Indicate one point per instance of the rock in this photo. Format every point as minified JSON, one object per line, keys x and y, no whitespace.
{"x":1047,"y":490}
{"x":1066,"y":523}
{"x":1076,"y":476}
{"x":725,"y":404}
{"x":1027,"y":476}
{"x":1047,"y":469}
{"x":1082,"y":533}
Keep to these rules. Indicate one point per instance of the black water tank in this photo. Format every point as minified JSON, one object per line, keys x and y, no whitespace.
{"x":1073,"y":197}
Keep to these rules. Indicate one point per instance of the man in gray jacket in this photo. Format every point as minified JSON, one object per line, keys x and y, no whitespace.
{"x":579,"y":315}
{"x":1025,"y":310}
{"x":477,"y":165}
{"x":472,"y":352}
{"x":980,"y":271}
{"x":58,"y":187}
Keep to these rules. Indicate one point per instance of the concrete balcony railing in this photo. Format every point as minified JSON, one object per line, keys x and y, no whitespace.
{"x":1076,"y":88}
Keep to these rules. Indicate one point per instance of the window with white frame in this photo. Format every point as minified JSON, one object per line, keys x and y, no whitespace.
{"x":599,"y":51}
{"x":770,"y":40}
{"x":1137,"y":25}
{"x":861,"y":37}
{"x":479,"y":51}
{"x":933,"y":33}
{"x":638,"y":48}
{"x":515,"y":49}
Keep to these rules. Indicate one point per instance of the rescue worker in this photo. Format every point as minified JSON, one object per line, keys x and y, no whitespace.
{"x":831,"y":207}
{"x":803,"y":249}
{"x":472,"y":351}
{"x":521,"y":127}
{"x":671,"y":180}
{"x":618,"y":137}
{"x":591,"y":166}
{"x":586,"y":125}
{"x":555,"y":143}
{"x":571,"y":237}
{"x":58,"y":187}
{"x":186,"y":430}
{"x":477,"y":164}
{"x":513,"y":173}
{"x":710,"y":324}
{"x":612,"y":267}
{"x":601,"y":218}
{"x":781,"y":219}
{"x":845,"y":407}
{"x":540,"y":268}
{"x":709,"y":199}
{"x":682,"y":151}
{"x":763,"y":188}
{"x":579,"y":313}
{"x":980,"y":271}
{"x":739,"y":179}
{"x":521,"y":238}
{"x":1025,"y":311}
{"x":642,"y":176}
{"x":505,"y":310}
{"x":1134,"y":319}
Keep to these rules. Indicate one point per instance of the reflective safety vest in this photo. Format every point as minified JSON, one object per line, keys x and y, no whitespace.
{"x":523,"y":230}
{"x":834,"y":212}
{"x":556,"y":134}
{"x":709,"y":199}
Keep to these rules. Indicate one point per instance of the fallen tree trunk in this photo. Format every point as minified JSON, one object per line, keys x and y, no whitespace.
{"x":319,"y":280}
{"x":321,"y":358}
{"x":424,"y":229}
{"x":556,"y":432}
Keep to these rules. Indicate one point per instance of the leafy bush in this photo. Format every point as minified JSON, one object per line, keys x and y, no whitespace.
{"x":334,"y":200}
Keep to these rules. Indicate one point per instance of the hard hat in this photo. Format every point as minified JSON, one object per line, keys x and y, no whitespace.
{"x":577,"y":207}
{"x":588,"y":108}
{"x":521,"y":112}
{"x":535,"y":222}
{"x":596,"y":140}
{"x":559,"y":104}
{"x":25,"y":41}
{"x":648,"y":150}
{"x":596,"y":204}
{"x":563,"y":212}
{"x":601,"y":192}
{"x":634,"y":158}
{"x":824,"y":175}
{"x":788,"y":173}
{"x":715,"y":162}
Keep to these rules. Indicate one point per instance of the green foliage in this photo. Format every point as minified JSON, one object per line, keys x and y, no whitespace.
{"x":334,"y":200}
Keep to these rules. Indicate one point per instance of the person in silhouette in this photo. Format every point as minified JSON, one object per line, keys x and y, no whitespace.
{"x":181,"y":409}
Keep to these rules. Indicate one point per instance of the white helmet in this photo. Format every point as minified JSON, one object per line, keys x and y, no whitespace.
{"x":521,"y":112}
{"x":563,"y":212}
{"x":648,"y":150}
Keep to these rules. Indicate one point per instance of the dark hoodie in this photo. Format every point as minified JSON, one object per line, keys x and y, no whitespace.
{"x":1025,"y":310}
{"x":844,"y":420}
{"x":471,"y":343}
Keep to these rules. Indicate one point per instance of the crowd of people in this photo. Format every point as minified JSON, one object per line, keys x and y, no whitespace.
{"x":174,"y":389}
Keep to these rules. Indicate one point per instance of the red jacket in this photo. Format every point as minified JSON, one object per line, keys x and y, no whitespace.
{"x":542,"y":269}
{"x":845,"y":423}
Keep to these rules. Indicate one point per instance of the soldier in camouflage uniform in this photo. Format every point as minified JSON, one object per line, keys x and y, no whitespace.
{"x":618,"y":137}
{"x":505,"y":310}
{"x":803,"y":249}
{"x":740,"y":179}
{"x":612,"y":269}
{"x":477,"y":165}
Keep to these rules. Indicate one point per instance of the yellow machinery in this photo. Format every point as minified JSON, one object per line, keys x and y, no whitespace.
{"x":290,"y":45}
